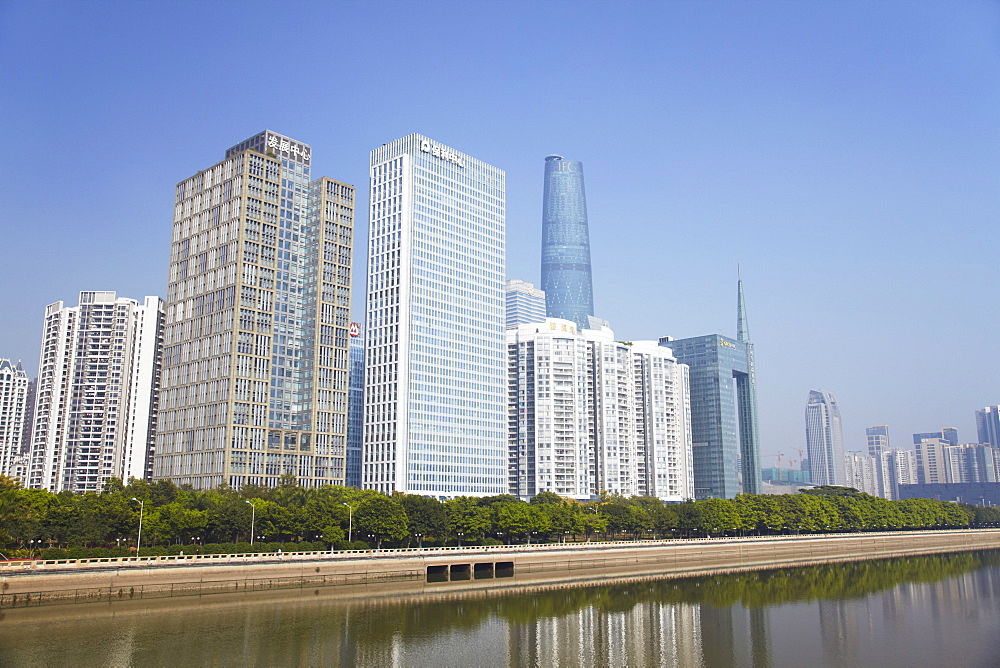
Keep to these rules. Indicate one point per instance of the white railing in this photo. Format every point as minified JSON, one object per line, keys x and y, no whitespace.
{"x":257,"y":557}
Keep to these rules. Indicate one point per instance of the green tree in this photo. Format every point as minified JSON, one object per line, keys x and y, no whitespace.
{"x":426,"y":516}
{"x":381,"y":517}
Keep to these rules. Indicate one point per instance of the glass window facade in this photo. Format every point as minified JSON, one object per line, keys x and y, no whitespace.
{"x":435,"y":367}
{"x":566,"y":273}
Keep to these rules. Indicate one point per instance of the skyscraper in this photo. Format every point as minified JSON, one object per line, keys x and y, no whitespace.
{"x":988,"y":425}
{"x":949,"y":434}
{"x":566,"y":274}
{"x":878,"y":446}
{"x":824,"y":439}
{"x":525,"y":303}
{"x":355,"y":408}
{"x":723,"y":409}
{"x":98,"y":390}
{"x":13,"y":407}
{"x":588,"y":414}
{"x":258,"y":307}
{"x":435,"y":360}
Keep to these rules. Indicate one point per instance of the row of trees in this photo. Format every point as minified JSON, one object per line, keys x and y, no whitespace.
{"x":340,"y":517}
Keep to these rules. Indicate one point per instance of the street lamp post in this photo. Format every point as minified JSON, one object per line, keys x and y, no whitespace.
{"x":350,"y":520}
{"x":253,"y":520}
{"x":138,"y":540}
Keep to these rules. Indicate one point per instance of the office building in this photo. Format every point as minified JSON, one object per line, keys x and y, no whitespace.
{"x":13,"y":408}
{"x":948,"y":434}
{"x":878,"y":445}
{"x":258,"y":307}
{"x":355,"y":407}
{"x":566,"y":272}
{"x":98,"y":388}
{"x":988,"y":425}
{"x":435,"y":359}
{"x":588,"y":414}
{"x":824,"y":439}
{"x":525,"y":303}
{"x":932,"y":461}
{"x":723,"y":409}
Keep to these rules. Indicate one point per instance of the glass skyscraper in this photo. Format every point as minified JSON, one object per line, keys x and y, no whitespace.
{"x":435,"y":358}
{"x":723,"y":410}
{"x":355,"y":409}
{"x":988,"y":425}
{"x":566,"y":273}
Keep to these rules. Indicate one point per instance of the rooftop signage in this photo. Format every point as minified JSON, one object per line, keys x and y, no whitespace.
{"x":288,"y":149}
{"x":441,"y":152}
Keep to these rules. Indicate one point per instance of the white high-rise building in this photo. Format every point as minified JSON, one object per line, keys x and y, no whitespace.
{"x":98,"y":390}
{"x":435,"y":364}
{"x":257,"y":316}
{"x":525,"y":303}
{"x":860,"y":472}
{"x":13,"y":403}
{"x":824,"y":439}
{"x":901,"y":469}
{"x":588,"y":414}
{"x":878,"y":445}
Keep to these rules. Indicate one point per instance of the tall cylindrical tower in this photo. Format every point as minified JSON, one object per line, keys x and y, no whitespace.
{"x":566,"y":274}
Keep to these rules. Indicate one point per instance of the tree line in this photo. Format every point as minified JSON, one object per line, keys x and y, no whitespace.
{"x":37,"y":523}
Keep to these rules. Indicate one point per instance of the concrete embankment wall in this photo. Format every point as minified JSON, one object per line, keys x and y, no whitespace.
{"x":436,"y":570}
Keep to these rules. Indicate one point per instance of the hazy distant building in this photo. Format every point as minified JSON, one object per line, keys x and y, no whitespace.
{"x":932,"y":461}
{"x":13,"y":407}
{"x":988,"y":425}
{"x":98,"y":392}
{"x":860,"y":473}
{"x":878,"y":445}
{"x":525,"y":303}
{"x":258,"y":307}
{"x":948,"y":434}
{"x":824,"y":439}
{"x":588,"y":414}
{"x":724,"y":422}
{"x":901,"y":469}
{"x":566,"y":271}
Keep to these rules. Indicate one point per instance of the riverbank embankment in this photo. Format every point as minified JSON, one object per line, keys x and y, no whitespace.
{"x":433,"y":570}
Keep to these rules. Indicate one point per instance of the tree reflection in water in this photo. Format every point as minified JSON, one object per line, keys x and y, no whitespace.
{"x":709,"y":620}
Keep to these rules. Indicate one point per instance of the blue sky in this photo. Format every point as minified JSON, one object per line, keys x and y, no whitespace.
{"x":845,"y":154}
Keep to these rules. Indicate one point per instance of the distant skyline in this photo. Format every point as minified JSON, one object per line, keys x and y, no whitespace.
{"x":845,"y":154}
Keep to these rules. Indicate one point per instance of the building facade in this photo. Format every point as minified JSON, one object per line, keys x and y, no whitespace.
{"x":258,"y":308}
{"x":355,"y":409}
{"x":13,"y":413}
{"x":948,"y":434}
{"x":98,"y":392}
{"x":566,"y":271}
{"x":878,"y":445}
{"x":988,"y":425}
{"x":824,"y":439}
{"x":861,"y":473}
{"x":932,"y":461}
{"x":435,"y":360}
{"x":525,"y":303}
{"x":724,"y":422}
{"x":588,"y":414}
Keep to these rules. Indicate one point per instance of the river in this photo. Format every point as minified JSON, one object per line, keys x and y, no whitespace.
{"x":941,"y":610}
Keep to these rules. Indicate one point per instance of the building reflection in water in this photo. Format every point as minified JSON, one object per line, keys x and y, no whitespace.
{"x":899,"y":612}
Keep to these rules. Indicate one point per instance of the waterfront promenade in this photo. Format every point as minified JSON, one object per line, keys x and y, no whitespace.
{"x":451,"y":569}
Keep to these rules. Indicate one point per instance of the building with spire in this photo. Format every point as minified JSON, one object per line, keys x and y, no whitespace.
{"x":724,"y":422}
{"x":566,"y":273}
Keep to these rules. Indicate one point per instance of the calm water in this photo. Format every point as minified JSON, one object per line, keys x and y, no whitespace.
{"x":924,"y":611}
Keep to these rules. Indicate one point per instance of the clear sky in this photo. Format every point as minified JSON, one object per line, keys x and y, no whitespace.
{"x":845,"y":154}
